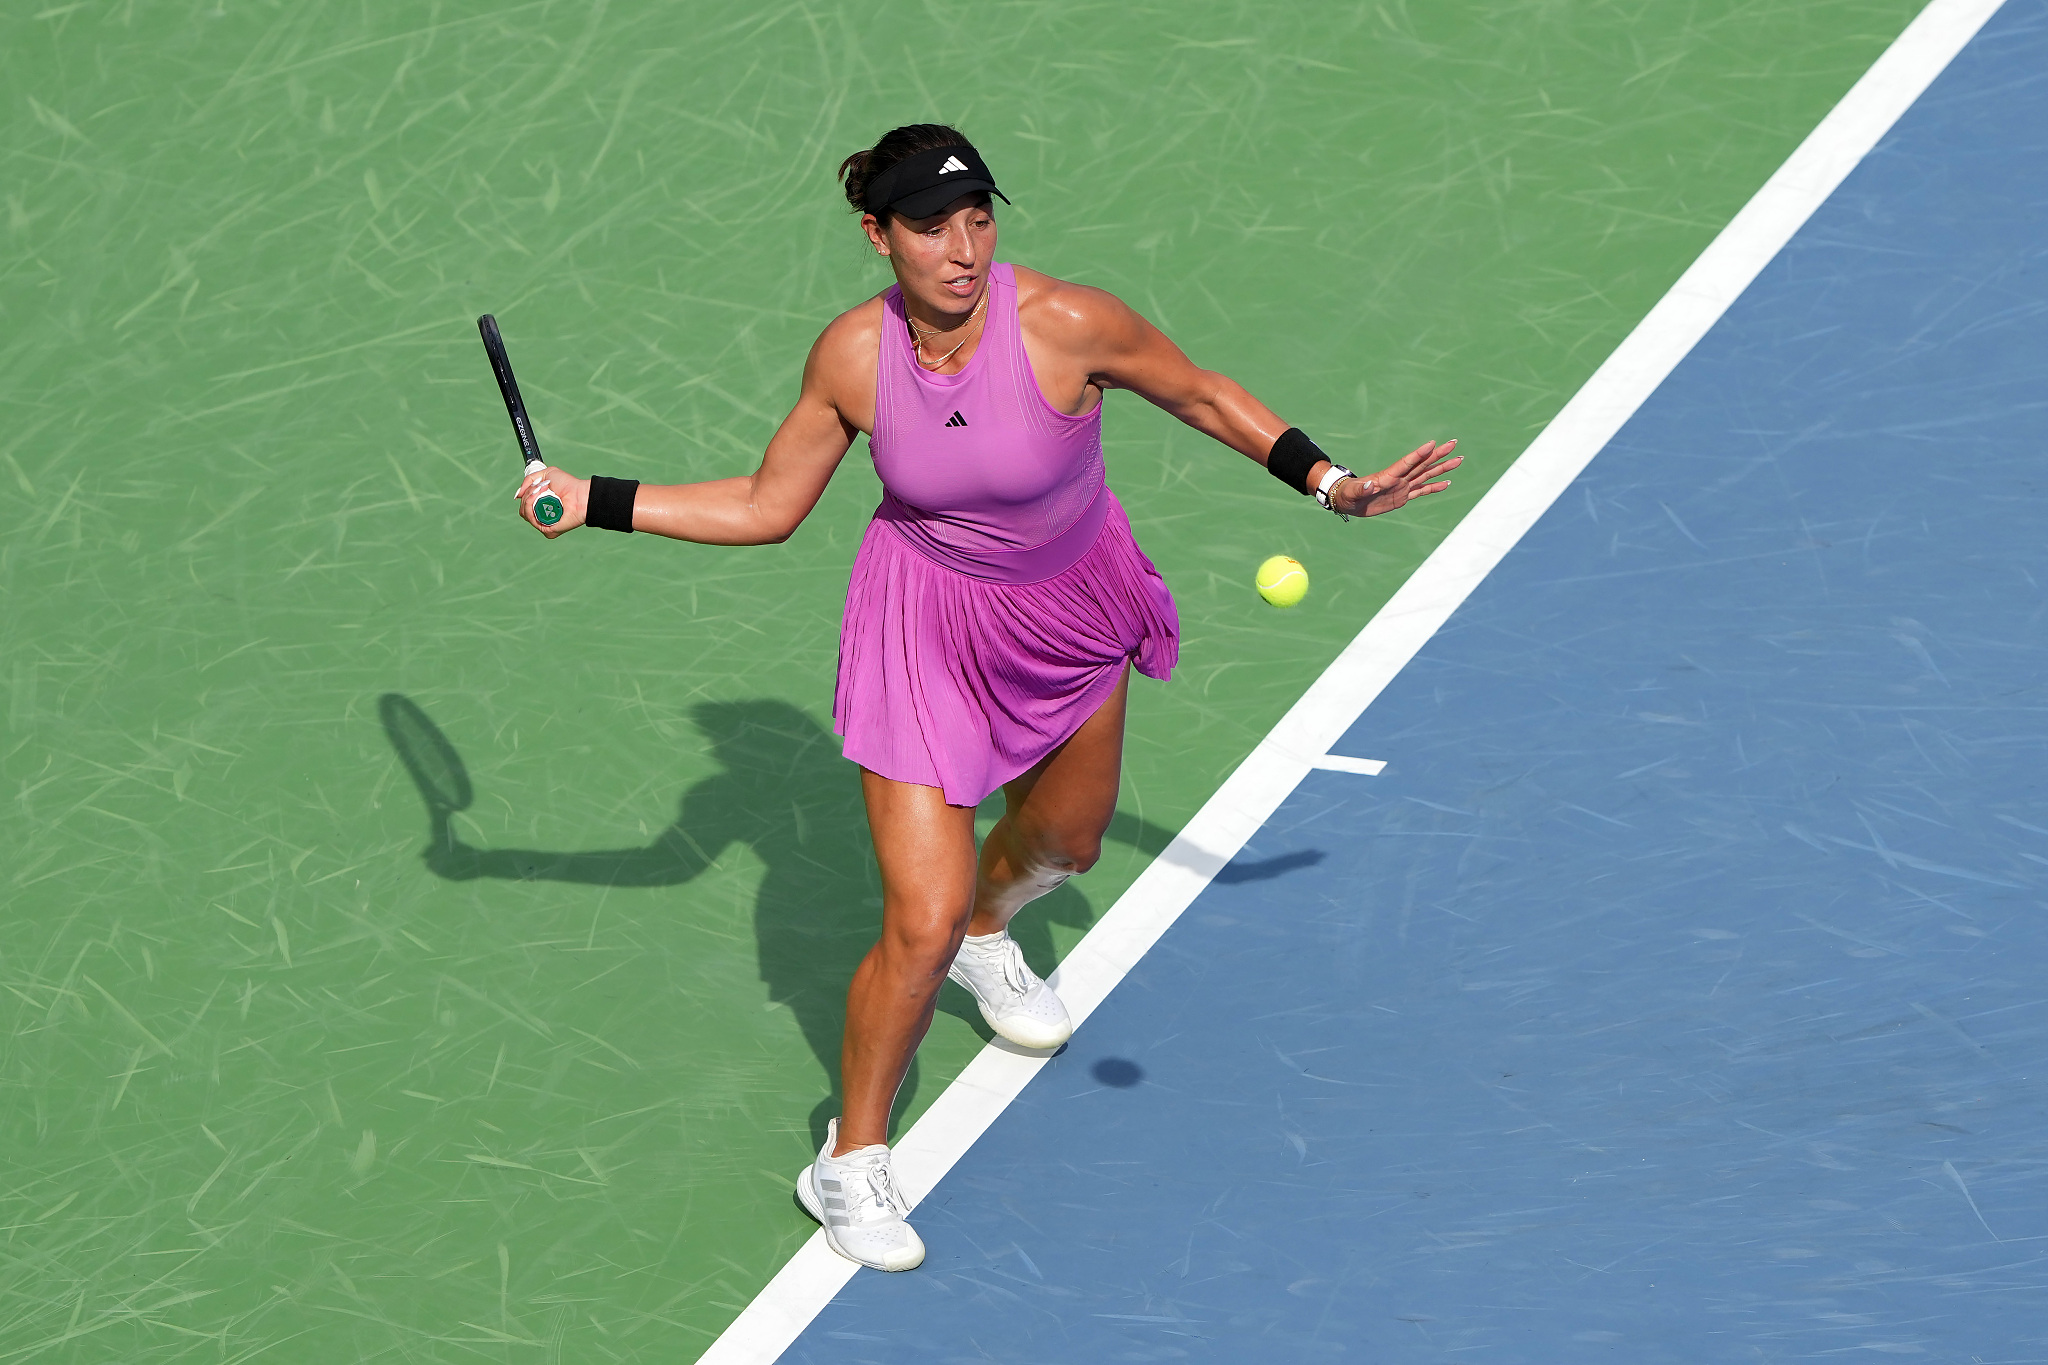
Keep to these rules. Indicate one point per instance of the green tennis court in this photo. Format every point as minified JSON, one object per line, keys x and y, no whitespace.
{"x":425,"y":942}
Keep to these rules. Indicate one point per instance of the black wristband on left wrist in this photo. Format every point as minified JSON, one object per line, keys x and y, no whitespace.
{"x":611,"y":503}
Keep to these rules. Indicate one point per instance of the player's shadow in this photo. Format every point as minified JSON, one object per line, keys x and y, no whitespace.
{"x":787,"y":794}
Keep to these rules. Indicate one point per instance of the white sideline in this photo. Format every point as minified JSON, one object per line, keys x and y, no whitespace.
{"x":1302,"y":739}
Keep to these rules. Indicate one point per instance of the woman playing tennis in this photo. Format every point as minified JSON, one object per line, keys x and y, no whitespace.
{"x":997,"y":604}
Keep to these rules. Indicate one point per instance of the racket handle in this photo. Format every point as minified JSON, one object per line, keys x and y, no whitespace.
{"x":547,"y":510}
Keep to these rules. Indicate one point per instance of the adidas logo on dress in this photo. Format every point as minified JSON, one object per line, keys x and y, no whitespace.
{"x":956,"y":420}
{"x":953,"y":163}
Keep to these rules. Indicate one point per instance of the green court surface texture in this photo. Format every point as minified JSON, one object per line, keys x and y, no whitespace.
{"x":425,"y":942}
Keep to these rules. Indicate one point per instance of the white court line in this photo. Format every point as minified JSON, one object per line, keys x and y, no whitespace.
{"x":1302,"y":739}
{"x":1337,"y":763}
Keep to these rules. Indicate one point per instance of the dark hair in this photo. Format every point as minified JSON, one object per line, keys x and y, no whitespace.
{"x":896,"y":145}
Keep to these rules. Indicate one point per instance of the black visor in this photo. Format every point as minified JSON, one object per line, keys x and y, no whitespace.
{"x":920,"y":185}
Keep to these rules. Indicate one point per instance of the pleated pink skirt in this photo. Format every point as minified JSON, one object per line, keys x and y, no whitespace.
{"x":959,"y":683}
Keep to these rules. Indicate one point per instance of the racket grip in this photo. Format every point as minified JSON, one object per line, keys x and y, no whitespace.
{"x":547,"y":509}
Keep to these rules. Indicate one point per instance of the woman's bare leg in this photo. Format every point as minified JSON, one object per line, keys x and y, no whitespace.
{"x":926,"y":852}
{"x":1054,"y":819}
{"x":931,"y":885}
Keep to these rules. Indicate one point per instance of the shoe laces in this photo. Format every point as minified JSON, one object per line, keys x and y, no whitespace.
{"x":870,"y":1183}
{"x":1008,"y":960}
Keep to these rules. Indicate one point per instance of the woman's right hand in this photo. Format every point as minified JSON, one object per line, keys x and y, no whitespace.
{"x":574,"y":493}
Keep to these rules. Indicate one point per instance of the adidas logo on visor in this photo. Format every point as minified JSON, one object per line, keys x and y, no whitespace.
{"x":956,"y":420}
{"x":953,"y":163}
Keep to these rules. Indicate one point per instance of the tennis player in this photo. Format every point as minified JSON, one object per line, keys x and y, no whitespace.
{"x":997,"y":605}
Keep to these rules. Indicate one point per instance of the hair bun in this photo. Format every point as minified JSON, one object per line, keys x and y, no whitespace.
{"x":896,"y":144}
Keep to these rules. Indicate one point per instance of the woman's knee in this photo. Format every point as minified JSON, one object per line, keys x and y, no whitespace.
{"x":922,"y":944}
{"x":1063,"y":852}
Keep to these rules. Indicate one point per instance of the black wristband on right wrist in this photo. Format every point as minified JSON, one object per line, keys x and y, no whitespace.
{"x":1292,"y":457}
{"x":611,"y":503}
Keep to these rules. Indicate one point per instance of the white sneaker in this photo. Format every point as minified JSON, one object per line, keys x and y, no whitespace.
{"x":1016,"y":1004}
{"x":856,"y":1200}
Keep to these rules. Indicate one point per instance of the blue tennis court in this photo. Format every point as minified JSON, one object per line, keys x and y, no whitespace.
{"x":1679,"y":991}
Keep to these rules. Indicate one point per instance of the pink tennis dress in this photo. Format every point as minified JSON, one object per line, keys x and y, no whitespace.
{"x":999,"y":589}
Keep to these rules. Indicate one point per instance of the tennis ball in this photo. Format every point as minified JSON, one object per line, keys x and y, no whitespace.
{"x":1282,"y":581}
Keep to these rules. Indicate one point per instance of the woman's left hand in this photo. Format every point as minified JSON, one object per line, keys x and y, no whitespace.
{"x":1414,"y":475}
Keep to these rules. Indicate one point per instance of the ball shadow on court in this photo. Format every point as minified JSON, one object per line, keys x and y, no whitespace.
{"x":785,"y":793}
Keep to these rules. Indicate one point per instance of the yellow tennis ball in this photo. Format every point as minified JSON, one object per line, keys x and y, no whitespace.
{"x":1282,"y":581}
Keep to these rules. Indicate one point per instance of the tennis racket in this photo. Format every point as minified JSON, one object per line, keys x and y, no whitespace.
{"x":548,"y":509}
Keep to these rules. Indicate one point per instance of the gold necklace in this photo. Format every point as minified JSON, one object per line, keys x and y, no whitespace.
{"x":919,"y":332}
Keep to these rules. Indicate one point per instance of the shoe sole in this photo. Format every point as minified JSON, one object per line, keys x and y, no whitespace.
{"x":1037,"y":1044}
{"x":807,"y":1195}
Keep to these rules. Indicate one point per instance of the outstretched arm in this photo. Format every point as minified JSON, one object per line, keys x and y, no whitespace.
{"x":762,"y":508}
{"x":1121,"y":350}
